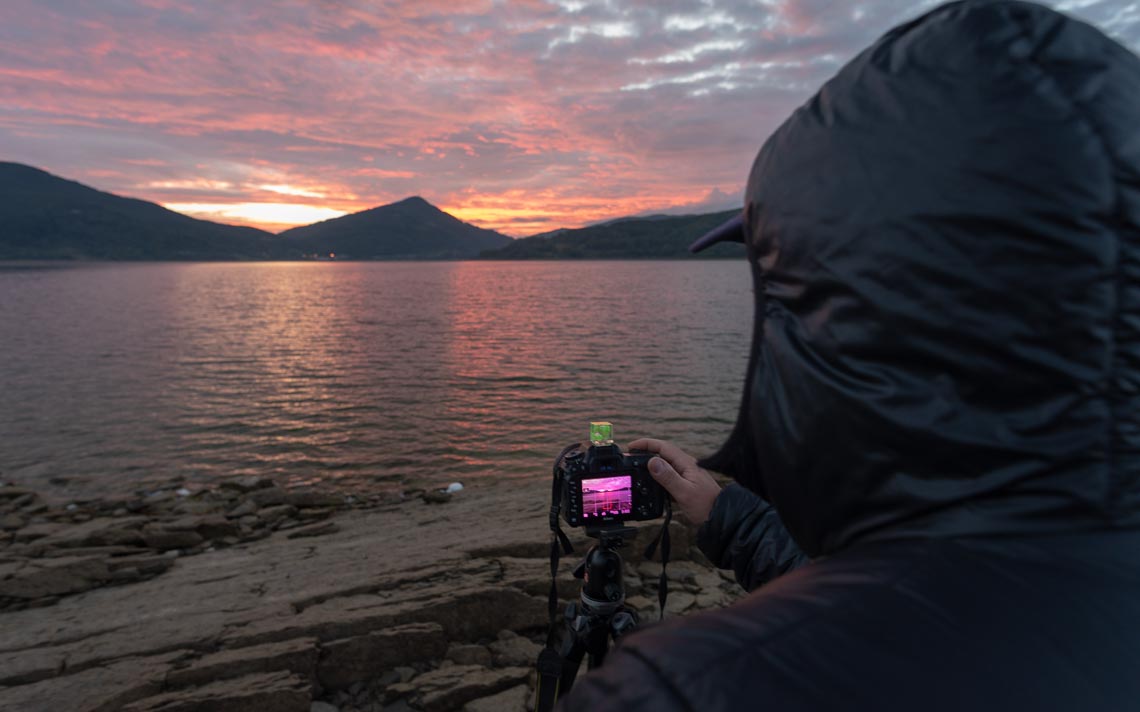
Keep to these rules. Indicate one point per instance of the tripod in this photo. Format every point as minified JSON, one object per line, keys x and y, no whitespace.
{"x":600,"y":612}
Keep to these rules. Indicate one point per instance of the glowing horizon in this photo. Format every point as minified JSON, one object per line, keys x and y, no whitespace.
{"x":522,"y":117}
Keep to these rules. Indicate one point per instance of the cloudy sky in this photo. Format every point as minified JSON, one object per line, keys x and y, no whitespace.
{"x":519,"y":115}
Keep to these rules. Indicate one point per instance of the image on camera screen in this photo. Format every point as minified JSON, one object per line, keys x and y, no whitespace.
{"x":607,"y":496}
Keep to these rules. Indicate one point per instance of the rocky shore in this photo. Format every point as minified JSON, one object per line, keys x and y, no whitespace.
{"x":251,"y":597}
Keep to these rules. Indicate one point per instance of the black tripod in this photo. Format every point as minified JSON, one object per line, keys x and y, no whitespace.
{"x":598,"y":615}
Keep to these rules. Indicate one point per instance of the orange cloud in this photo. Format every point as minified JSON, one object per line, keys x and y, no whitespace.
{"x":520,"y":116}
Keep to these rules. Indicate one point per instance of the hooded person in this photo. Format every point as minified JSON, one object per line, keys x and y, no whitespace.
{"x":939,"y":438}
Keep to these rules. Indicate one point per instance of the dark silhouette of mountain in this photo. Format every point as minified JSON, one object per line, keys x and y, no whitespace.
{"x":410,"y":229}
{"x":652,"y":237}
{"x":43,"y":216}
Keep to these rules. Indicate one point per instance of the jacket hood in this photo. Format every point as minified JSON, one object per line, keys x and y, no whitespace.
{"x":945,"y":244}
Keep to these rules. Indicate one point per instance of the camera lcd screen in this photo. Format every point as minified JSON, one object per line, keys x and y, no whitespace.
{"x":607,"y":497}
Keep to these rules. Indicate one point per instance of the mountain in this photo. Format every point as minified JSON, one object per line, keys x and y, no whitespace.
{"x":653,"y":237}
{"x":43,"y":216}
{"x":410,"y":229}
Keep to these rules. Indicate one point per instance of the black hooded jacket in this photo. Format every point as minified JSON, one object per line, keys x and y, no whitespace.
{"x":941,"y":403}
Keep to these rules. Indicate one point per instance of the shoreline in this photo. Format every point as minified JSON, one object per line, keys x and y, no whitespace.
{"x":434,"y":602}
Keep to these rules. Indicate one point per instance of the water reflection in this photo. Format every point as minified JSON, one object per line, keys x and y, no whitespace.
{"x":382,"y":374}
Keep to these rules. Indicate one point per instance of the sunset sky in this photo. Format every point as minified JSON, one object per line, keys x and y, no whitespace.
{"x":521,"y":116}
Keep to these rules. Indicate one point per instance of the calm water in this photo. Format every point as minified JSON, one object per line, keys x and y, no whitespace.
{"x":379,"y":375}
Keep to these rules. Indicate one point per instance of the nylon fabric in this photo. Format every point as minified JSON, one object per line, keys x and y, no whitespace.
{"x":938,"y":447}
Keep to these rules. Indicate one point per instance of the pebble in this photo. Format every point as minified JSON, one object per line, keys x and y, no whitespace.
{"x":454,"y":487}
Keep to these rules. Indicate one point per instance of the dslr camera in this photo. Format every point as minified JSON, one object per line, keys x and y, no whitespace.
{"x":604,"y":486}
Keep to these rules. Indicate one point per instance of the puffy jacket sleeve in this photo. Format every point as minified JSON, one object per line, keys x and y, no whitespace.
{"x":744,"y":533}
{"x":628,"y":682}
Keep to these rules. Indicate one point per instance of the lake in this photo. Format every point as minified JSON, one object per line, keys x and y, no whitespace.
{"x":372,"y":375}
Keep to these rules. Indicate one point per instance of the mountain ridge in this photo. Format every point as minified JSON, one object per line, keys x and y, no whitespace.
{"x":646,"y":237}
{"x":47,"y":217}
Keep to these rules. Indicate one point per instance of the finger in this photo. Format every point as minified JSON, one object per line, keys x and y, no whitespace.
{"x":667,"y":477}
{"x":677,"y":457}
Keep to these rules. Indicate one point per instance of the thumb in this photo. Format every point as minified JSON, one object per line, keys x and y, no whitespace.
{"x":665,"y":475}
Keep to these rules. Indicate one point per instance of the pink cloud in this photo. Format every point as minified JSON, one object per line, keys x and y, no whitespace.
{"x":522,"y":115}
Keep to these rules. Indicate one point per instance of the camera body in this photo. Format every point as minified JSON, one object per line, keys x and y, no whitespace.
{"x":605,"y":486}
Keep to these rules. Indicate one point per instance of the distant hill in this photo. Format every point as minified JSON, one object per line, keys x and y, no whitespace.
{"x":410,"y":229}
{"x":655,"y":236}
{"x":43,"y":216}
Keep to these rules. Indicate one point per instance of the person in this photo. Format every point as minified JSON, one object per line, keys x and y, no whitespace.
{"x":937,"y":455}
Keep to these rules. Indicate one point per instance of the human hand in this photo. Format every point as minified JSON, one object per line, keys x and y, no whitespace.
{"x":692,"y":487}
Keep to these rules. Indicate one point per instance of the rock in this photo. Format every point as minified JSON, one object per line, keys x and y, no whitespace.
{"x":272,"y":515}
{"x":117,"y":537}
{"x":12,"y":522}
{"x":97,"y":532}
{"x":125,"y":574}
{"x":244,"y":509}
{"x":709,"y":581}
{"x":195,"y":507}
{"x":322,"y":707}
{"x":107,"y":687}
{"x":642,"y":604}
{"x":102,"y":551}
{"x":148,"y":564}
{"x":163,"y":540}
{"x":39,"y":531}
{"x":183,"y":524}
{"x":683,"y":572}
{"x":247,"y":484}
{"x":14,"y":492}
{"x":280,"y":692}
{"x":351,"y":660}
{"x":513,"y":649}
{"x":436,"y":497}
{"x":157,"y":499}
{"x":55,"y":577}
{"x":406,"y":673}
{"x":451,"y":687}
{"x":327,"y":527}
{"x":679,"y":602}
{"x":35,"y":508}
{"x":512,"y":700}
{"x":469,"y":654}
{"x":711,"y":599}
{"x":309,"y":499}
{"x":314,"y":514}
{"x":297,"y":656}
{"x":216,"y":526}
{"x":266,"y":497}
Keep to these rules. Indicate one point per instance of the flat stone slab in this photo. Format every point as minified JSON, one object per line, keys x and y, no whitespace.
{"x":449,"y":688}
{"x":350,"y":660}
{"x":279,"y":692}
{"x":94,"y":690}
{"x":297,"y":656}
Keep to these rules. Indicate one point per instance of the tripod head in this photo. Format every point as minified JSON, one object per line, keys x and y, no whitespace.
{"x":603,"y":587}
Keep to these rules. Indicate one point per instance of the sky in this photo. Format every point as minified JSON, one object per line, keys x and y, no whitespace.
{"x":517,"y":115}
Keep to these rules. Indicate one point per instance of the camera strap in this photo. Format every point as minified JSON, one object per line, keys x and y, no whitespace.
{"x":550,"y":660}
{"x":559,"y":542}
{"x":662,"y":540}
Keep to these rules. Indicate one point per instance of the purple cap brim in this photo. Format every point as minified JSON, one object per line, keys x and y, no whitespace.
{"x":731,"y":231}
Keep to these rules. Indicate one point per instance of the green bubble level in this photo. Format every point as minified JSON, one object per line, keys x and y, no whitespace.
{"x":601,"y":433}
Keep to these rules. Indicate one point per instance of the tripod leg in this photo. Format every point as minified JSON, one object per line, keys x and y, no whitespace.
{"x":572,"y":650}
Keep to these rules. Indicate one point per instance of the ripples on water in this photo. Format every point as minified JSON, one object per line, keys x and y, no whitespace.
{"x":378,"y":374}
